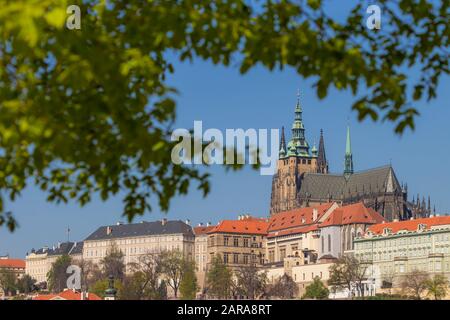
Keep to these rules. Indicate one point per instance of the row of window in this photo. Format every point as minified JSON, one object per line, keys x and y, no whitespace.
{"x":94,"y":244}
{"x":403,"y":241}
{"x":242,"y":258}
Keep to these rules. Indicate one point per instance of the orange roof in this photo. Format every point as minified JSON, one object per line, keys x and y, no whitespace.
{"x":297,"y":217}
{"x":202,"y":230}
{"x":12,"y":263}
{"x":248,"y":225}
{"x":66,"y":295}
{"x":351,"y":214}
{"x":410,"y":225}
{"x":305,"y":229}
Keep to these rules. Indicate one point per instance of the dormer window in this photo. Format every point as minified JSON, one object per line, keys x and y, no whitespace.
{"x":387,"y":231}
{"x":421,"y":227}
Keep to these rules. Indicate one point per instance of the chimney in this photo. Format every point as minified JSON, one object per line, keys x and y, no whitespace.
{"x":164,"y":221}
{"x":395,"y":220}
{"x":108,"y":230}
{"x":119,"y":223}
{"x":200,"y":224}
{"x":315,"y":214}
{"x":208,"y":224}
{"x":188,"y":222}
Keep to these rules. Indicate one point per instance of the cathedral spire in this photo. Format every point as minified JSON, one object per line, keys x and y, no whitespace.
{"x":298,"y":145}
{"x":282,"y":151}
{"x":321,"y":157}
{"x":348,"y":170}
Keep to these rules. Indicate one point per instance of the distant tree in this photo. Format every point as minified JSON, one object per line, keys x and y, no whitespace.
{"x":113,"y":263}
{"x":174,"y":264}
{"x":8,"y":282}
{"x":100,"y":286}
{"x":284,"y":288}
{"x":148,"y":271}
{"x":188,"y":285}
{"x":132,"y":287}
{"x":251,"y":282}
{"x":219,"y":279}
{"x":26,"y":284}
{"x":437,"y":286}
{"x":387,"y":282}
{"x":90,"y":273}
{"x":162,"y":290}
{"x":316,"y":290}
{"x":57,"y":275}
{"x":346,"y":273}
{"x":415,"y":283}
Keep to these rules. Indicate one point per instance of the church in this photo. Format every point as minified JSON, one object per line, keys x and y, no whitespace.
{"x":302,"y":179}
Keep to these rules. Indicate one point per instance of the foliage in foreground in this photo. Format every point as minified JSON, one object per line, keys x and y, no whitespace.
{"x":90,"y":111}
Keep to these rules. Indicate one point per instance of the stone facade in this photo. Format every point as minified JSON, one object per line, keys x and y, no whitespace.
{"x":238,"y":242}
{"x":137,"y":239}
{"x":39,"y":262}
{"x":201,"y":253}
{"x":396,"y":249}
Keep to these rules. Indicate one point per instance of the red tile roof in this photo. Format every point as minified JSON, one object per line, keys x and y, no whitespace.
{"x":66,"y":295}
{"x":352,"y":214}
{"x":202,"y":230}
{"x":12,"y":263}
{"x":410,"y":225}
{"x":248,"y":225}
{"x":305,"y":229}
{"x":297,"y":217}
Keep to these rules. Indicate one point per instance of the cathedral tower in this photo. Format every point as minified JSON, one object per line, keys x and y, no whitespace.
{"x":295,"y":159}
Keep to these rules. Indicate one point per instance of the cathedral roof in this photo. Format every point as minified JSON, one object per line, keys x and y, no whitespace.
{"x":337,"y":187}
{"x":352,"y":214}
{"x":411,"y":225}
{"x":245,"y":226}
{"x":300,"y":217}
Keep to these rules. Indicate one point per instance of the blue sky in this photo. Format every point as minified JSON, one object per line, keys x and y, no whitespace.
{"x":222,"y":98}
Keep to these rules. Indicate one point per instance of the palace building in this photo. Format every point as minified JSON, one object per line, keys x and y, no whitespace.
{"x":303,"y":179}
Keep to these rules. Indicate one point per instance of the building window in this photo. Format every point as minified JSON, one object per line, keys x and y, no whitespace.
{"x":323,"y":244}
{"x":235,"y":258}
{"x":246,"y":242}
{"x":271,"y":256}
{"x":329,"y":243}
{"x":236,"y":241}
{"x":225,"y":258}
{"x":226,"y":241}
{"x":245,"y":258}
{"x":282,"y":254}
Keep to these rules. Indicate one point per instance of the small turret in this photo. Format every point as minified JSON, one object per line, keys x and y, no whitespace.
{"x":282,"y":151}
{"x":348,"y":168}
{"x":314,"y":150}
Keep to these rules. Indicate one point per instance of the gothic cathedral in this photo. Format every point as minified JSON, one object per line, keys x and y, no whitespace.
{"x":302,"y":180}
